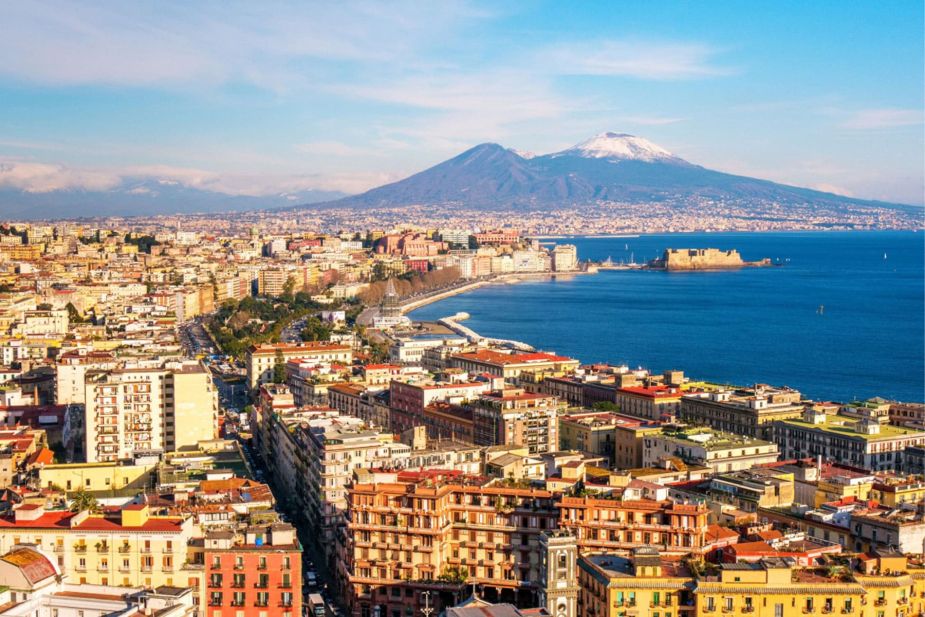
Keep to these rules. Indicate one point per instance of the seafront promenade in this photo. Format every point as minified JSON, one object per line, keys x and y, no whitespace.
{"x":416,"y":302}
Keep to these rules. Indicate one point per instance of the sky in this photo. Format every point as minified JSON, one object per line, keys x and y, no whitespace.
{"x":265,"y":97}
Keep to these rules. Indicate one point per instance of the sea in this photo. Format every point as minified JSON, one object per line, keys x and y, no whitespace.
{"x":842,"y":318}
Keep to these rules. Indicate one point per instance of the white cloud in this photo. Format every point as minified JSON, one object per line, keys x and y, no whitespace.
{"x":211,"y":42}
{"x":832,"y":188}
{"x":635,"y":58}
{"x":884,"y":118}
{"x":35,"y":177}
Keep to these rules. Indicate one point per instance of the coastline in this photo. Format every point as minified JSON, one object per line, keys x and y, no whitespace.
{"x":416,"y":303}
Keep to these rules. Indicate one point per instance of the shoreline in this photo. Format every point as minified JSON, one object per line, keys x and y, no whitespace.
{"x":414,"y":304}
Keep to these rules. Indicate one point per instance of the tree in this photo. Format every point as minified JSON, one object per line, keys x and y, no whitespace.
{"x":73,"y":315}
{"x":316,"y":330}
{"x":279,"y":369}
{"x":84,"y":501}
{"x":605,"y":406}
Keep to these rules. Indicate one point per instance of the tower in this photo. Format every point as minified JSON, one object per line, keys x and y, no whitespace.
{"x":559,"y":573}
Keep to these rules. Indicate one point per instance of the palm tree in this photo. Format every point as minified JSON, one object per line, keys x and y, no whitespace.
{"x":84,"y":501}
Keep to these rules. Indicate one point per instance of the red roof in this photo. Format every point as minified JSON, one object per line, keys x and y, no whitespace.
{"x":34,"y":566}
{"x":652,"y":391}
{"x":60,"y":519}
{"x":497,"y":357}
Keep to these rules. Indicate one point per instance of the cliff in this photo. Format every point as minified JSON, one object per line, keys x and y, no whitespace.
{"x":702,"y":259}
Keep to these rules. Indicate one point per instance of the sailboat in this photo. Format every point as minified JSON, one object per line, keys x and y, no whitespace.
{"x":820,"y":310}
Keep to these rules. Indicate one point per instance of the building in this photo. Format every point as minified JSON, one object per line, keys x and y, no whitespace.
{"x":775,"y":587}
{"x":390,"y":314}
{"x":609,"y":523}
{"x":559,"y":574}
{"x":642,"y":582}
{"x":564,"y":258}
{"x":411,"y":349}
{"x":723,"y":452}
{"x":272,"y":282}
{"x":497,"y":237}
{"x":260,"y":360}
{"x":909,"y":415}
{"x":629,"y":440}
{"x":510,"y":365}
{"x":750,"y":489}
{"x":859,"y":442}
{"x":255,"y":573}
{"x":408,"y":533}
{"x":129,"y":547}
{"x":70,"y":373}
{"x":749,"y":412}
{"x":655,"y":402}
{"x":591,"y":432}
{"x":131,"y":411}
{"x":516,"y":417}
{"x":408,"y":400}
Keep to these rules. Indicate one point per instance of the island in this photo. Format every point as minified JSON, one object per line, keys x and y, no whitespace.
{"x":702,"y":259}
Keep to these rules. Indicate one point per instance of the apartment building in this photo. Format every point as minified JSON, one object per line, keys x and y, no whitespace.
{"x":775,"y":587}
{"x":515,"y":417}
{"x":749,"y":412}
{"x":643,"y":582}
{"x":128,"y":548}
{"x":407,"y":400}
{"x":510,"y":365}
{"x":261,"y":359}
{"x":255,"y":573}
{"x":720,"y":451}
{"x":656,"y":402}
{"x":131,"y":411}
{"x":411,"y":532}
{"x":611,"y":523}
{"x":71,"y":370}
{"x":863,"y":442}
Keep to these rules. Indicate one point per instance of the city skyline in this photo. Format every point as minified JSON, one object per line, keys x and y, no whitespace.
{"x":260,"y":100}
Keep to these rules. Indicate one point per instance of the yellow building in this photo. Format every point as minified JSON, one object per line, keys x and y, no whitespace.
{"x":772,"y":588}
{"x":892,"y":491}
{"x":642,"y":584}
{"x":838,"y":488}
{"x":128,"y":548}
{"x":883,"y":585}
{"x":102,"y":479}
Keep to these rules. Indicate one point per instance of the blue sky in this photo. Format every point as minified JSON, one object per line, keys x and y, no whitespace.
{"x":258,"y":98}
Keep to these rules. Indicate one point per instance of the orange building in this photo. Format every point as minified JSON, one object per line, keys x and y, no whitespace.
{"x":612,"y":524}
{"x":408,"y":533}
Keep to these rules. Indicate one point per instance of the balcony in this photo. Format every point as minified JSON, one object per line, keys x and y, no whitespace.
{"x":125,"y":548}
{"x":80,"y":548}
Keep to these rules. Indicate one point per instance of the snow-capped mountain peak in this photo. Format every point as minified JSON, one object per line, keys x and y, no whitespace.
{"x":619,"y":146}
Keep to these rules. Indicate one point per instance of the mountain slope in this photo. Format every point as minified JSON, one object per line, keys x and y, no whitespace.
{"x":142,"y":197}
{"x":611,"y":167}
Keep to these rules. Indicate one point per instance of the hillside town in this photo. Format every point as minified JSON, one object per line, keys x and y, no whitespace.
{"x":214,"y":423}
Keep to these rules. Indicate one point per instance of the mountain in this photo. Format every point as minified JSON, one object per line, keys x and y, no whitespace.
{"x":142,"y":197}
{"x":610,"y":167}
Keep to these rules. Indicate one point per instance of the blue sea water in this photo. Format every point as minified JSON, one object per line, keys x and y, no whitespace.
{"x":755,"y":325}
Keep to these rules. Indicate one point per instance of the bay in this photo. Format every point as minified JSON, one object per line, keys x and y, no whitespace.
{"x":841,"y":319}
